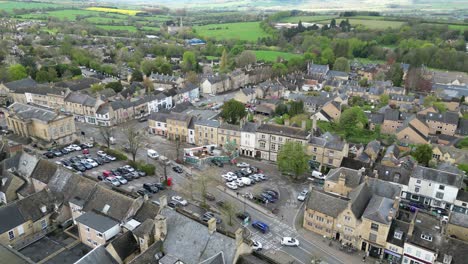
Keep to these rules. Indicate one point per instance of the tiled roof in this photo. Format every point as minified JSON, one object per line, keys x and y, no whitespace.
{"x":326,"y":203}
{"x":283,"y":131}
{"x":98,"y":222}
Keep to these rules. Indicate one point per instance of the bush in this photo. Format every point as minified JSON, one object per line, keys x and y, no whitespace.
{"x":117,"y":154}
{"x":149,"y":169}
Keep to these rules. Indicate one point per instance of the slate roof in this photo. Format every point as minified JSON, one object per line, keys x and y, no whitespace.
{"x":438,"y":176}
{"x":96,"y":221}
{"x":79,"y":84}
{"x":463,"y":127}
{"x":375,"y":118}
{"x":360,"y":197}
{"x":401,"y":227}
{"x":31,"y":206}
{"x":207,"y":123}
{"x":426,"y":225}
{"x":318,"y":69}
{"x":147,"y":257}
{"x":195,"y":240}
{"x":248,"y":91}
{"x":249,"y":127}
{"x":227,"y":126}
{"x":23,"y":83}
{"x":159,"y":116}
{"x":145,"y":228}
{"x":458,"y":219}
{"x":125,"y":245}
{"x":447,"y":117}
{"x":352,"y":177}
{"x":121,"y":104}
{"x":462,"y":196}
{"x":326,"y":203}
{"x":392,"y":114}
{"x":119,"y":204}
{"x":82,"y":99}
{"x":283,"y":131}
{"x":328,"y":140}
{"x":44,"y":171}
{"x":11,"y":256}
{"x":148,"y":210}
{"x":398,"y":175}
{"x":378,"y":209}
{"x":27,"y":112}
{"x":97,"y":255}
{"x":11,"y":218}
{"x":180,"y":117}
{"x":42,"y":89}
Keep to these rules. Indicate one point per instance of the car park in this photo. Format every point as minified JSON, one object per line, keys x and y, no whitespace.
{"x":180,"y":200}
{"x":246,"y":181}
{"x":92,"y":162}
{"x":121,"y":179}
{"x":270,"y":198}
{"x":101,"y":153}
{"x":172,"y":204}
{"x":64,"y":151}
{"x":75,"y":147}
{"x":256,"y":246}
{"x":260,"y":176}
{"x":232,"y":185}
{"x":209,"y":196}
{"x":239,"y":182}
{"x":111,"y":158}
{"x":303,"y":195}
{"x":152,"y":153}
{"x":113,"y":181}
{"x":49,"y":155}
{"x":177,"y":169}
{"x":57,"y":153}
{"x":242,"y":165}
{"x":150,"y":187}
{"x":289,"y":241}
{"x":260,"y":226}
{"x":141,"y":173}
{"x":260,"y":199}
{"x":160,"y":186}
{"x":87,"y":166}
{"x":85,"y":151}
{"x":208,"y":215}
{"x":129,"y":168}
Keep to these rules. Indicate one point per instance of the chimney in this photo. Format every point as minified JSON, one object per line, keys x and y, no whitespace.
{"x":396,"y":203}
{"x":239,"y":237}
{"x":286,"y":122}
{"x":376,"y":174}
{"x":342,"y":179}
{"x":391,"y":214}
{"x":4,"y":181}
{"x":212,"y":225}
{"x":160,"y":228}
{"x":361,"y":171}
{"x":303,"y":124}
{"x":162,"y":201}
{"x":105,"y":209}
{"x":145,"y":197}
{"x":314,"y":124}
{"x":44,"y":209}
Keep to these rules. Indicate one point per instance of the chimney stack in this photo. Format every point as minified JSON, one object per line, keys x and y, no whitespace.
{"x":160,"y":228}
{"x":212,"y":225}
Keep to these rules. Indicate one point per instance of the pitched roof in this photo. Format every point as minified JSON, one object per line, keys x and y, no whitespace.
{"x":147,"y":257}
{"x":207,"y":123}
{"x":37,"y":205}
{"x":400,"y":174}
{"x":400,"y":227}
{"x":378,"y":209}
{"x":11,"y":256}
{"x":118,"y":204}
{"x":26,"y":83}
{"x":44,"y":171}
{"x":148,"y":210}
{"x":96,"y":221}
{"x":145,"y":228}
{"x":249,"y":127}
{"x":447,"y":117}
{"x":125,"y":245}
{"x":283,"y":131}
{"x":82,"y":99}
{"x":438,"y":176}
{"x":27,"y":112}
{"x":79,"y":84}
{"x":326,"y":203}
{"x":11,"y":218}
{"x":360,"y":197}
{"x":159,"y":116}
{"x":97,"y":255}
{"x":352,"y":177}
{"x":458,"y":219}
{"x":194,"y":238}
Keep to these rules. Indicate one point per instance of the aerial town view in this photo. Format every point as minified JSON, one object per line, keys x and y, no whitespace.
{"x":234,"y":132}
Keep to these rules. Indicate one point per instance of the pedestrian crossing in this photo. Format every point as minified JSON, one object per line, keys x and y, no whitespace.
{"x":271,"y":240}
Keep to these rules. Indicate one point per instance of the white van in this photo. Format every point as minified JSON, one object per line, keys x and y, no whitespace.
{"x":246,"y":181}
{"x":318,"y":175}
{"x":152,"y":154}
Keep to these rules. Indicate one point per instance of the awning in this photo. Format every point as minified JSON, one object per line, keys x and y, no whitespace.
{"x":392,"y":253}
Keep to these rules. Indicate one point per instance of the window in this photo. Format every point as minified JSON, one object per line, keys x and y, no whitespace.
{"x":315,"y":149}
{"x":398,"y":234}
{"x":94,"y":243}
{"x":100,"y":235}
{"x":414,"y":197}
{"x":439,"y":195}
{"x":348,"y":229}
{"x":372,"y":237}
{"x":20,"y":230}
{"x":427,"y":237}
{"x":87,"y":229}
{"x":263,"y":136}
{"x":314,"y":158}
{"x":11,"y":234}
{"x":43,"y":223}
{"x":319,"y":218}
{"x":330,"y":161}
{"x":347,"y":218}
{"x":273,"y":138}
{"x":262,"y":144}
{"x":273,"y":146}
{"x":441,"y":187}
{"x":418,"y":181}
{"x":374,"y":227}
{"x":416,"y":189}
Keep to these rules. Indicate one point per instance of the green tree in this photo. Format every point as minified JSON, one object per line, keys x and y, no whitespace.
{"x":296,"y":108}
{"x":116,"y":86}
{"x":364,"y":82}
{"x":341,"y":64}
{"x":422,"y":153}
{"x":281,"y":109}
{"x":42,"y":76}
{"x":352,"y":121}
{"x":148,"y":66}
{"x":384,"y":99}
{"x":395,"y":74}
{"x":224,"y":62}
{"x":17,"y":72}
{"x":246,"y":58}
{"x":97,"y":87}
{"x":327,"y":56}
{"x":292,"y":158}
{"x":233,"y":111}
{"x":279,"y":69}
{"x":189,"y":61}
{"x":137,"y":76}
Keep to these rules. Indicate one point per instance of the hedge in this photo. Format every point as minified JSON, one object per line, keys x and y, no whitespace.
{"x":149,"y":169}
{"x":117,"y":154}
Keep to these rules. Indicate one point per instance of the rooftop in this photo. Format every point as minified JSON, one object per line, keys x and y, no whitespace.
{"x":96,"y":221}
{"x":28,"y":112}
{"x":283,"y":131}
{"x":326,"y":203}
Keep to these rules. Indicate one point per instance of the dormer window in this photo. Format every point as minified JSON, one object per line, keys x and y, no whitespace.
{"x":398,"y":234}
{"x":426,"y":237}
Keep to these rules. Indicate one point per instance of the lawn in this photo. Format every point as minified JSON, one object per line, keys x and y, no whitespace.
{"x":458,"y":27}
{"x":363,"y":138}
{"x":296,"y":19}
{"x":248,"y":31}
{"x":270,"y":55}
{"x":122,"y":28}
{"x":114,"y":10}
{"x":371,"y":24}
{"x":8,"y":6}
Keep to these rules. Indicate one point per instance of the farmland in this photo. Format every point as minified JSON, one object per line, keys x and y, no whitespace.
{"x":114,"y":10}
{"x":271,"y":56}
{"x":368,"y":23}
{"x":248,"y":31}
{"x":296,"y":19}
{"x":9,"y":6}
{"x":122,"y":28}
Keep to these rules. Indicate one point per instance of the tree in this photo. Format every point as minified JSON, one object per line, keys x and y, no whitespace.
{"x":341,"y":64}
{"x":292,"y":158}
{"x":116,"y":86}
{"x":327,"y":56}
{"x":17,"y":72}
{"x":189,"y":61}
{"x":148,"y":66}
{"x":395,"y":74}
{"x":148,"y":84}
{"x":137,"y":76}
{"x":296,"y":108}
{"x":281,"y":109}
{"x":233,"y":111}
{"x":384,"y":99}
{"x":279,"y":69}
{"x":133,"y":137}
{"x":97,"y":87}
{"x":333,"y":23}
{"x":422,"y":153}
{"x":364,"y":82}
{"x":352,"y":120}
{"x":42,"y":76}
{"x":106,"y":133}
{"x":203,"y":181}
{"x":246,"y":58}
{"x":224,"y":62}
{"x":229,"y":210}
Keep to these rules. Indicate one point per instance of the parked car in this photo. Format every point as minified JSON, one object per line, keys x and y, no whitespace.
{"x":64,"y":151}
{"x":272,"y":193}
{"x":243,"y":215}
{"x":242,"y":165}
{"x":98,"y":160}
{"x":111,"y":158}
{"x":144,"y":192}
{"x":172,"y":204}
{"x":143,"y":119}
{"x":92,"y":162}
{"x":303,"y":195}
{"x":69,"y":149}
{"x":141,"y":173}
{"x":101,"y":153}
{"x":217,"y":163}
{"x":256,"y":246}
{"x":180,"y":200}
{"x":121,"y":179}
{"x":57,"y":153}
{"x":113,"y":181}
{"x":127,"y":177}
{"x":160,"y":186}
{"x":177,"y":169}
{"x":239,"y":182}
{"x":75,"y":147}
{"x":269,"y":197}
{"x":318,"y":175}
{"x":208,"y":215}
{"x":88,"y":145}
{"x":129,"y":168}
{"x":289,"y":241}
{"x":49,"y":155}
{"x":87,"y":165}
{"x":150,"y":187}
{"x":260,"y":226}
{"x":260,"y":199}
{"x":85,"y":151}
{"x":232,"y":185}
{"x":209,"y":196}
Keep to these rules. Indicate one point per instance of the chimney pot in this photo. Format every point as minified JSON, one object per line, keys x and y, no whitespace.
{"x":212,"y":225}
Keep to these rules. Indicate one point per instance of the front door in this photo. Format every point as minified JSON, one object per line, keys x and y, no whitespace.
{"x":364,"y":246}
{"x":337,"y":236}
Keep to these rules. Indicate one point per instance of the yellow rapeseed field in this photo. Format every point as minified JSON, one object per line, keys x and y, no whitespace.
{"x":114,"y":10}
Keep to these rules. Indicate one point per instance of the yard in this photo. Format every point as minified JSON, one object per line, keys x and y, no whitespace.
{"x":271,"y":55}
{"x":248,"y":31}
{"x":363,"y":138}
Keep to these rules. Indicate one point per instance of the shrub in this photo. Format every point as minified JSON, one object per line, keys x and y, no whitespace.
{"x":149,"y":169}
{"x":117,"y":154}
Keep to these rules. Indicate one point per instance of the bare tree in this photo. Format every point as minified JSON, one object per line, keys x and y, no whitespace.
{"x":106,"y":133}
{"x":229,"y":210}
{"x":204,"y":181}
{"x":133,"y":137}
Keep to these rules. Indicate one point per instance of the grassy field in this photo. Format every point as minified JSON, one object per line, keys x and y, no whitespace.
{"x":8,"y":6}
{"x":114,"y":10}
{"x":69,"y":14}
{"x":121,"y":28}
{"x":105,"y":20}
{"x":249,"y":31}
{"x":371,"y":24}
{"x":296,"y":19}
{"x":270,"y":55}
{"x":458,"y":27}
{"x":150,"y":28}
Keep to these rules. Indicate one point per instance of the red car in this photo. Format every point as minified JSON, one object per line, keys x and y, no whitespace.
{"x":85,"y":151}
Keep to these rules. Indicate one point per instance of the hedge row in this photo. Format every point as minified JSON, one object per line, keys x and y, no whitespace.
{"x":149,"y":169}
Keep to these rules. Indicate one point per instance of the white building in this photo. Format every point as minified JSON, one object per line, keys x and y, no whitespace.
{"x":248,"y":139}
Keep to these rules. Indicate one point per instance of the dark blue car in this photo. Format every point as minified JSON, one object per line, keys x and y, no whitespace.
{"x":260,"y":226}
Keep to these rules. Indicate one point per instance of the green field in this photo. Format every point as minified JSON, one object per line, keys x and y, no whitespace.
{"x":270,"y":55}
{"x":458,"y":27}
{"x":249,"y":31}
{"x":296,"y":19}
{"x":122,"y":28}
{"x":69,"y":14}
{"x":371,"y":24}
{"x":105,"y":20}
{"x":8,"y":6}
{"x":150,"y":29}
